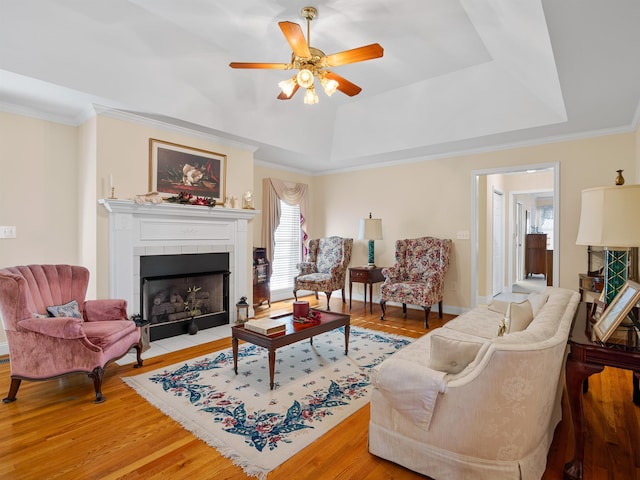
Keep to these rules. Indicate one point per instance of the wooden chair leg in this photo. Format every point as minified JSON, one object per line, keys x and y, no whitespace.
{"x":344,"y":297}
{"x":97,"y":375}
{"x":295,"y":295}
{"x":427,"y":310}
{"x":138,"y":348}
{"x":440,"y":309}
{"x":383,"y":304}
{"x":404,"y":310}
{"x":328,"y":294}
{"x":13,"y":390}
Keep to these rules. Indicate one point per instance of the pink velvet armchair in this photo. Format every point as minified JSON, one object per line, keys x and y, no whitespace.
{"x":52,"y":331}
{"x":417,"y":277}
{"x":325,"y":268}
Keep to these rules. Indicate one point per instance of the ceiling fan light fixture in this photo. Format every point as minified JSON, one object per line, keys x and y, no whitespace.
{"x":311,"y":97}
{"x":305,"y":78}
{"x":288,"y":85}
{"x":329,"y":86}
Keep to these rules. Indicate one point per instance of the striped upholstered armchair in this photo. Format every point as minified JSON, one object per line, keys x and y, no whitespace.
{"x":325,"y":268}
{"x":417,"y":277}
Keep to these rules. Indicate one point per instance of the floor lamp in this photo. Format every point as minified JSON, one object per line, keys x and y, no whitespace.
{"x":370,"y":229}
{"x":608,"y":218}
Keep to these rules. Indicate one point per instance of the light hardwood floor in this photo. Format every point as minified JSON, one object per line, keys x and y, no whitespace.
{"x":54,"y":431}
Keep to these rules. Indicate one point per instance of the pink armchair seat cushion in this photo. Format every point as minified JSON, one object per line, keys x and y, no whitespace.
{"x":106,"y":333}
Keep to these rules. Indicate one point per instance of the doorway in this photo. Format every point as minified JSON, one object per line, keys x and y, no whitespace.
{"x":517,"y":218}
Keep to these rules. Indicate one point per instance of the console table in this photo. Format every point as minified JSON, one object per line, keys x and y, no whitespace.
{"x":586,"y":358}
{"x":368,"y":276}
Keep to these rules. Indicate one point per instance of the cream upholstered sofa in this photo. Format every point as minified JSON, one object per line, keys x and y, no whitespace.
{"x":462,"y":402}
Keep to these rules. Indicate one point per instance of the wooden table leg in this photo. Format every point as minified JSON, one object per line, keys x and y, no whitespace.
{"x":577,"y":373}
{"x":272,"y":367}
{"x":234,"y":345}
{"x":350,"y":291}
{"x":347,"y":329}
{"x":636,"y":388}
{"x":370,"y":299}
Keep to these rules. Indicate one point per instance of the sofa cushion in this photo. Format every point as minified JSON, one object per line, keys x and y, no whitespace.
{"x":537,"y":301}
{"x":479,"y":322}
{"x":520,"y":316}
{"x":452,"y":355}
{"x":71,"y":310}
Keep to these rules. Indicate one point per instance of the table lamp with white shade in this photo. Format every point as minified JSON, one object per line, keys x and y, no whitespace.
{"x":609,"y":219}
{"x":370,"y":229}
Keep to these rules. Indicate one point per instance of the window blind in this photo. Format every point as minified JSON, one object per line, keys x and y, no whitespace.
{"x":287,"y":252}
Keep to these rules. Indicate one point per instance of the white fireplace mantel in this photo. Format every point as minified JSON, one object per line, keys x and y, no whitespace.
{"x":169,"y":229}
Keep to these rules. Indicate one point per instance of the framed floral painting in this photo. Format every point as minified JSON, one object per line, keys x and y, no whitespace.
{"x":177,"y":168}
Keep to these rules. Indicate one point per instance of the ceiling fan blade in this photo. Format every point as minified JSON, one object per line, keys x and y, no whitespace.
{"x":344,"y":85}
{"x":277,"y":66}
{"x":282,"y":95}
{"x":354,"y":55}
{"x":295,"y":37}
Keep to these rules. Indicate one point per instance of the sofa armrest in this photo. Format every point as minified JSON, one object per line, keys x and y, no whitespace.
{"x":108,"y":309}
{"x":59,"y":327}
{"x":410,"y":388}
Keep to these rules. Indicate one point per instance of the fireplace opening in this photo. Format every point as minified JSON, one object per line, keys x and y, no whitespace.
{"x":180,"y":290}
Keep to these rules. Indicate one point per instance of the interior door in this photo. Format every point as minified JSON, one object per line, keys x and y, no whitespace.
{"x":498,"y":242}
{"x":520,"y":229}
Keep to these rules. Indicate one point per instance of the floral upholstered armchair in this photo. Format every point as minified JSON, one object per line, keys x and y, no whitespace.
{"x":52,"y":331}
{"x":325,"y":268}
{"x":417,"y":277}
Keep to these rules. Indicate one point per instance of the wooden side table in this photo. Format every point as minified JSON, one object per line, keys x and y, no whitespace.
{"x":368,"y":276}
{"x":586,"y":358}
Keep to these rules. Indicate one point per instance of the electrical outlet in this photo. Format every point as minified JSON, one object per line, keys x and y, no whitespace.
{"x":463,"y":234}
{"x":7,"y":232}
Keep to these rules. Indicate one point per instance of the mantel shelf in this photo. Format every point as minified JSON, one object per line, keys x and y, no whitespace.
{"x":176,"y":210}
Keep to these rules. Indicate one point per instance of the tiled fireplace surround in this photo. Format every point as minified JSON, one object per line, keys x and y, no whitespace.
{"x":164,"y":229}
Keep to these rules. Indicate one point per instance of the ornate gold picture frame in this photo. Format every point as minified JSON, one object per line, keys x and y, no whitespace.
{"x":177,"y":168}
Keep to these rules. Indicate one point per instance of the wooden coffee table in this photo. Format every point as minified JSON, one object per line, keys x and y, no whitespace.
{"x":295,"y":332}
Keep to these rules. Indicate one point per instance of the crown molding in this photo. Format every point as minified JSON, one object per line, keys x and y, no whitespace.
{"x":143,"y":119}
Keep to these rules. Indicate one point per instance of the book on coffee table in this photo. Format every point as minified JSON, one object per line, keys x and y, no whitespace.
{"x":266,"y":326}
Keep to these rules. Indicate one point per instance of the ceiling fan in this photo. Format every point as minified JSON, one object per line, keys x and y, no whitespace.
{"x":313,"y":63}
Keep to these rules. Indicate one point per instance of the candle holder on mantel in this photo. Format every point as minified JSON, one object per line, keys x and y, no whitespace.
{"x":113,"y":193}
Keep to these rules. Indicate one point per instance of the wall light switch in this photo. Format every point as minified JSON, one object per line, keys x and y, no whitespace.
{"x":7,"y":232}
{"x":463,"y":235}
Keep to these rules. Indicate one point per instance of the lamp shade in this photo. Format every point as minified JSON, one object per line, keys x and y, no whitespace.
{"x":370,"y":229}
{"x":608,"y":217}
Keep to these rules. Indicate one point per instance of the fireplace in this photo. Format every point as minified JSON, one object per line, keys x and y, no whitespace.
{"x":184,"y":293}
{"x":140,"y":233}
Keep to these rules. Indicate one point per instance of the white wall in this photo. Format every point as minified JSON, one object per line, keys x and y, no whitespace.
{"x":46,"y":168}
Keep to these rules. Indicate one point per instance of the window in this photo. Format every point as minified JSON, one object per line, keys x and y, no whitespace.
{"x":287,"y":252}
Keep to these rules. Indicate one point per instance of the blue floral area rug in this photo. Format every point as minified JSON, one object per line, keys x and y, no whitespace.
{"x":316,"y":387}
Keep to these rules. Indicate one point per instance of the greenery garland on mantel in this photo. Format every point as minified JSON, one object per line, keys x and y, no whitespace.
{"x":185,"y":198}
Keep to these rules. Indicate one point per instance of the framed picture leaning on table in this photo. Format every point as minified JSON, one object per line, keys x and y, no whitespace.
{"x":617,"y":310}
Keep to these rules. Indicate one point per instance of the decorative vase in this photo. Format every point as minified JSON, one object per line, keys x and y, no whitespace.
{"x":193,"y":327}
{"x":619,"y":178}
